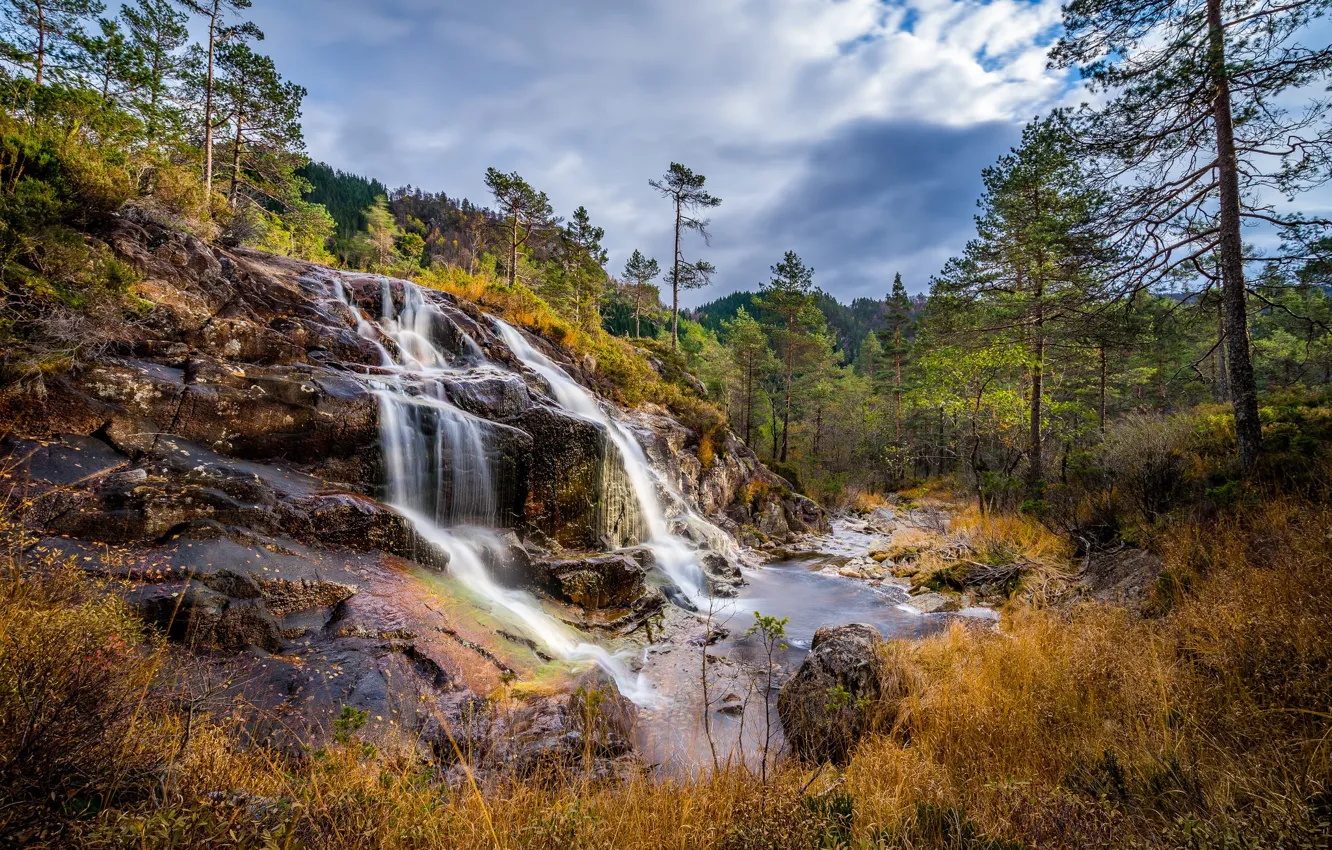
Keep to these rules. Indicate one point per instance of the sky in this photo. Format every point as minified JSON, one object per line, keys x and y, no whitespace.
{"x":852,"y":132}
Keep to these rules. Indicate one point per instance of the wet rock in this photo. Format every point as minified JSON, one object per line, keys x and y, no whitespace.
{"x":935,"y":603}
{"x":646,"y":558}
{"x":545,"y":734}
{"x":70,"y":459}
{"x":199,"y":616}
{"x":594,"y":581}
{"x":771,"y":520}
{"x":566,"y":476}
{"x":678,"y":598}
{"x":840,"y":688}
{"x":491,"y":395}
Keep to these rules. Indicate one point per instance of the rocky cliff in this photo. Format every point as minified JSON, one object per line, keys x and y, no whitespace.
{"x":224,"y":459}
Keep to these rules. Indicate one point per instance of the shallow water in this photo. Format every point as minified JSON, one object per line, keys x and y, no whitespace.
{"x":673,"y":735}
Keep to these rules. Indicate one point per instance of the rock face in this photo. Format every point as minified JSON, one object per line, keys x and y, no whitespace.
{"x":841,"y":688}
{"x":224,"y":458}
{"x":749,"y":500}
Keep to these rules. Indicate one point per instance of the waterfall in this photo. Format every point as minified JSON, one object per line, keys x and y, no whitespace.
{"x":439,"y":466}
{"x":675,"y":556}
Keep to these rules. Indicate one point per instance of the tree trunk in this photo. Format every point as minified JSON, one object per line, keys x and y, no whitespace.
{"x":897,"y":382}
{"x":235,"y":161}
{"x":1035,"y":470}
{"x":638,"y":308}
{"x":1102,"y":405}
{"x":208,"y":107}
{"x":749,"y":401}
{"x":818,"y":430}
{"x":1222,"y":379}
{"x":786,"y":414}
{"x":41,"y":43}
{"x":513,"y":249}
{"x":675,"y":284}
{"x":1243,"y":387}
{"x":772,"y":402}
{"x":154,"y":94}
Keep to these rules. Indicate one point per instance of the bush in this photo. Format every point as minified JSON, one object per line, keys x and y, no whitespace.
{"x":74,"y":676}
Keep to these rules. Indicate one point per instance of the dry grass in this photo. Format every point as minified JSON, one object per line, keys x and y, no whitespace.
{"x":1083,"y":727}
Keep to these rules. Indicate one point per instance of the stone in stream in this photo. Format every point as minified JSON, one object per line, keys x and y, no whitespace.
{"x":594,"y":581}
{"x":844,"y":684}
{"x":935,"y":603}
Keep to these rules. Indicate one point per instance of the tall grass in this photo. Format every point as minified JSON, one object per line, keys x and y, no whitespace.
{"x":1206,"y":726}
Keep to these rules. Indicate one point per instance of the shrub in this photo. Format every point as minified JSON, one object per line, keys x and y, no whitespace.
{"x":74,"y":675}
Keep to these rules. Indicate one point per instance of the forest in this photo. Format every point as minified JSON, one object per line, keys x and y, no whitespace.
{"x":265,"y":420}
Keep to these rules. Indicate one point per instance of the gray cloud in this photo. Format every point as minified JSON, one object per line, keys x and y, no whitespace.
{"x":855,"y":128}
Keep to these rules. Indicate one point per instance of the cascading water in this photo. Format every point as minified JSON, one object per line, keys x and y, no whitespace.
{"x":675,"y":556}
{"x":440,"y":469}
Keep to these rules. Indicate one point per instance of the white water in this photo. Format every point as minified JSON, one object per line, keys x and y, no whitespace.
{"x":440,"y":477}
{"x":675,"y":556}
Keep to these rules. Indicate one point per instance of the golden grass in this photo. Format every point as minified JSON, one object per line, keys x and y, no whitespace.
{"x":1067,"y":727}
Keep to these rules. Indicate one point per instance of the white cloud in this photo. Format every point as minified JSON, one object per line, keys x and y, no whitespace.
{"x":589,"y":99}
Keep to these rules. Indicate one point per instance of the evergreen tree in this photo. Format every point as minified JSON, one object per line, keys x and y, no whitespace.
{"x":157,"y":32}
{"x":219,"y":33}
{"x":789,"y":298}
{"x":752,"y":358}
{"x":111,"y":62}
{"x":264,"y":114}
{"x":1210,"y":106}
{"x":585,"y":266}
{"x":899,"y":324}
{"x":639,"y":272}
{"x":524,"y":209}
{"x":41,"y":35}
{"x":1031,"y":267}
{"x":380,"y":240}
{"x":684,"y":189}
{"x":869,"y":360}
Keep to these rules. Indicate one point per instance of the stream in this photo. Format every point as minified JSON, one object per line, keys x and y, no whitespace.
{"x":673,"y":735}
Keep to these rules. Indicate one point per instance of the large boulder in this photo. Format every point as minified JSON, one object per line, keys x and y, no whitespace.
{"x":204,"y":618}
{"x":594,"y":581}
{"x":589,"y":727}
{"x":844,"y":686}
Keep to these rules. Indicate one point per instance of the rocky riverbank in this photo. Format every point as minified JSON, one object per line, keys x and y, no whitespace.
{"x":223,"y":461}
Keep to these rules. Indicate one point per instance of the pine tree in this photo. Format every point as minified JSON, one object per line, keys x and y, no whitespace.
{"x":39,"y":35}
{"x":219,"y":33}
{"x":157,"y":33}
{"x":524,"y":209}
{"x":111,"y":62}
{"x":899,"y":324}
{"x":684,"y":189}
{"x":789,"y":298}
{"x":1031,"y":268}
{"x":639,"y":272}
{"x":752,"y":358}
{"x":585,"y":266}
{"x":1209,"y":107}
{"x":264,"y":114}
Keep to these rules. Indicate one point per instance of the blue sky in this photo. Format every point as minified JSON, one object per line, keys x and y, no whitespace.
{"x":850,"y":131}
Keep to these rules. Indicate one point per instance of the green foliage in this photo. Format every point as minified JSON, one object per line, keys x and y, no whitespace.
{"x":348,"y":723}
{"x":345,"y":196}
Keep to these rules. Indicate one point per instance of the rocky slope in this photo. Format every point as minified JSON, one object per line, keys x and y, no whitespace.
{"x":224,"y":460}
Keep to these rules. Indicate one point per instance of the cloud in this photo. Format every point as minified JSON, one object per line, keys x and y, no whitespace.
{"x":779,"y":102}
{"x":880,"y":198}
